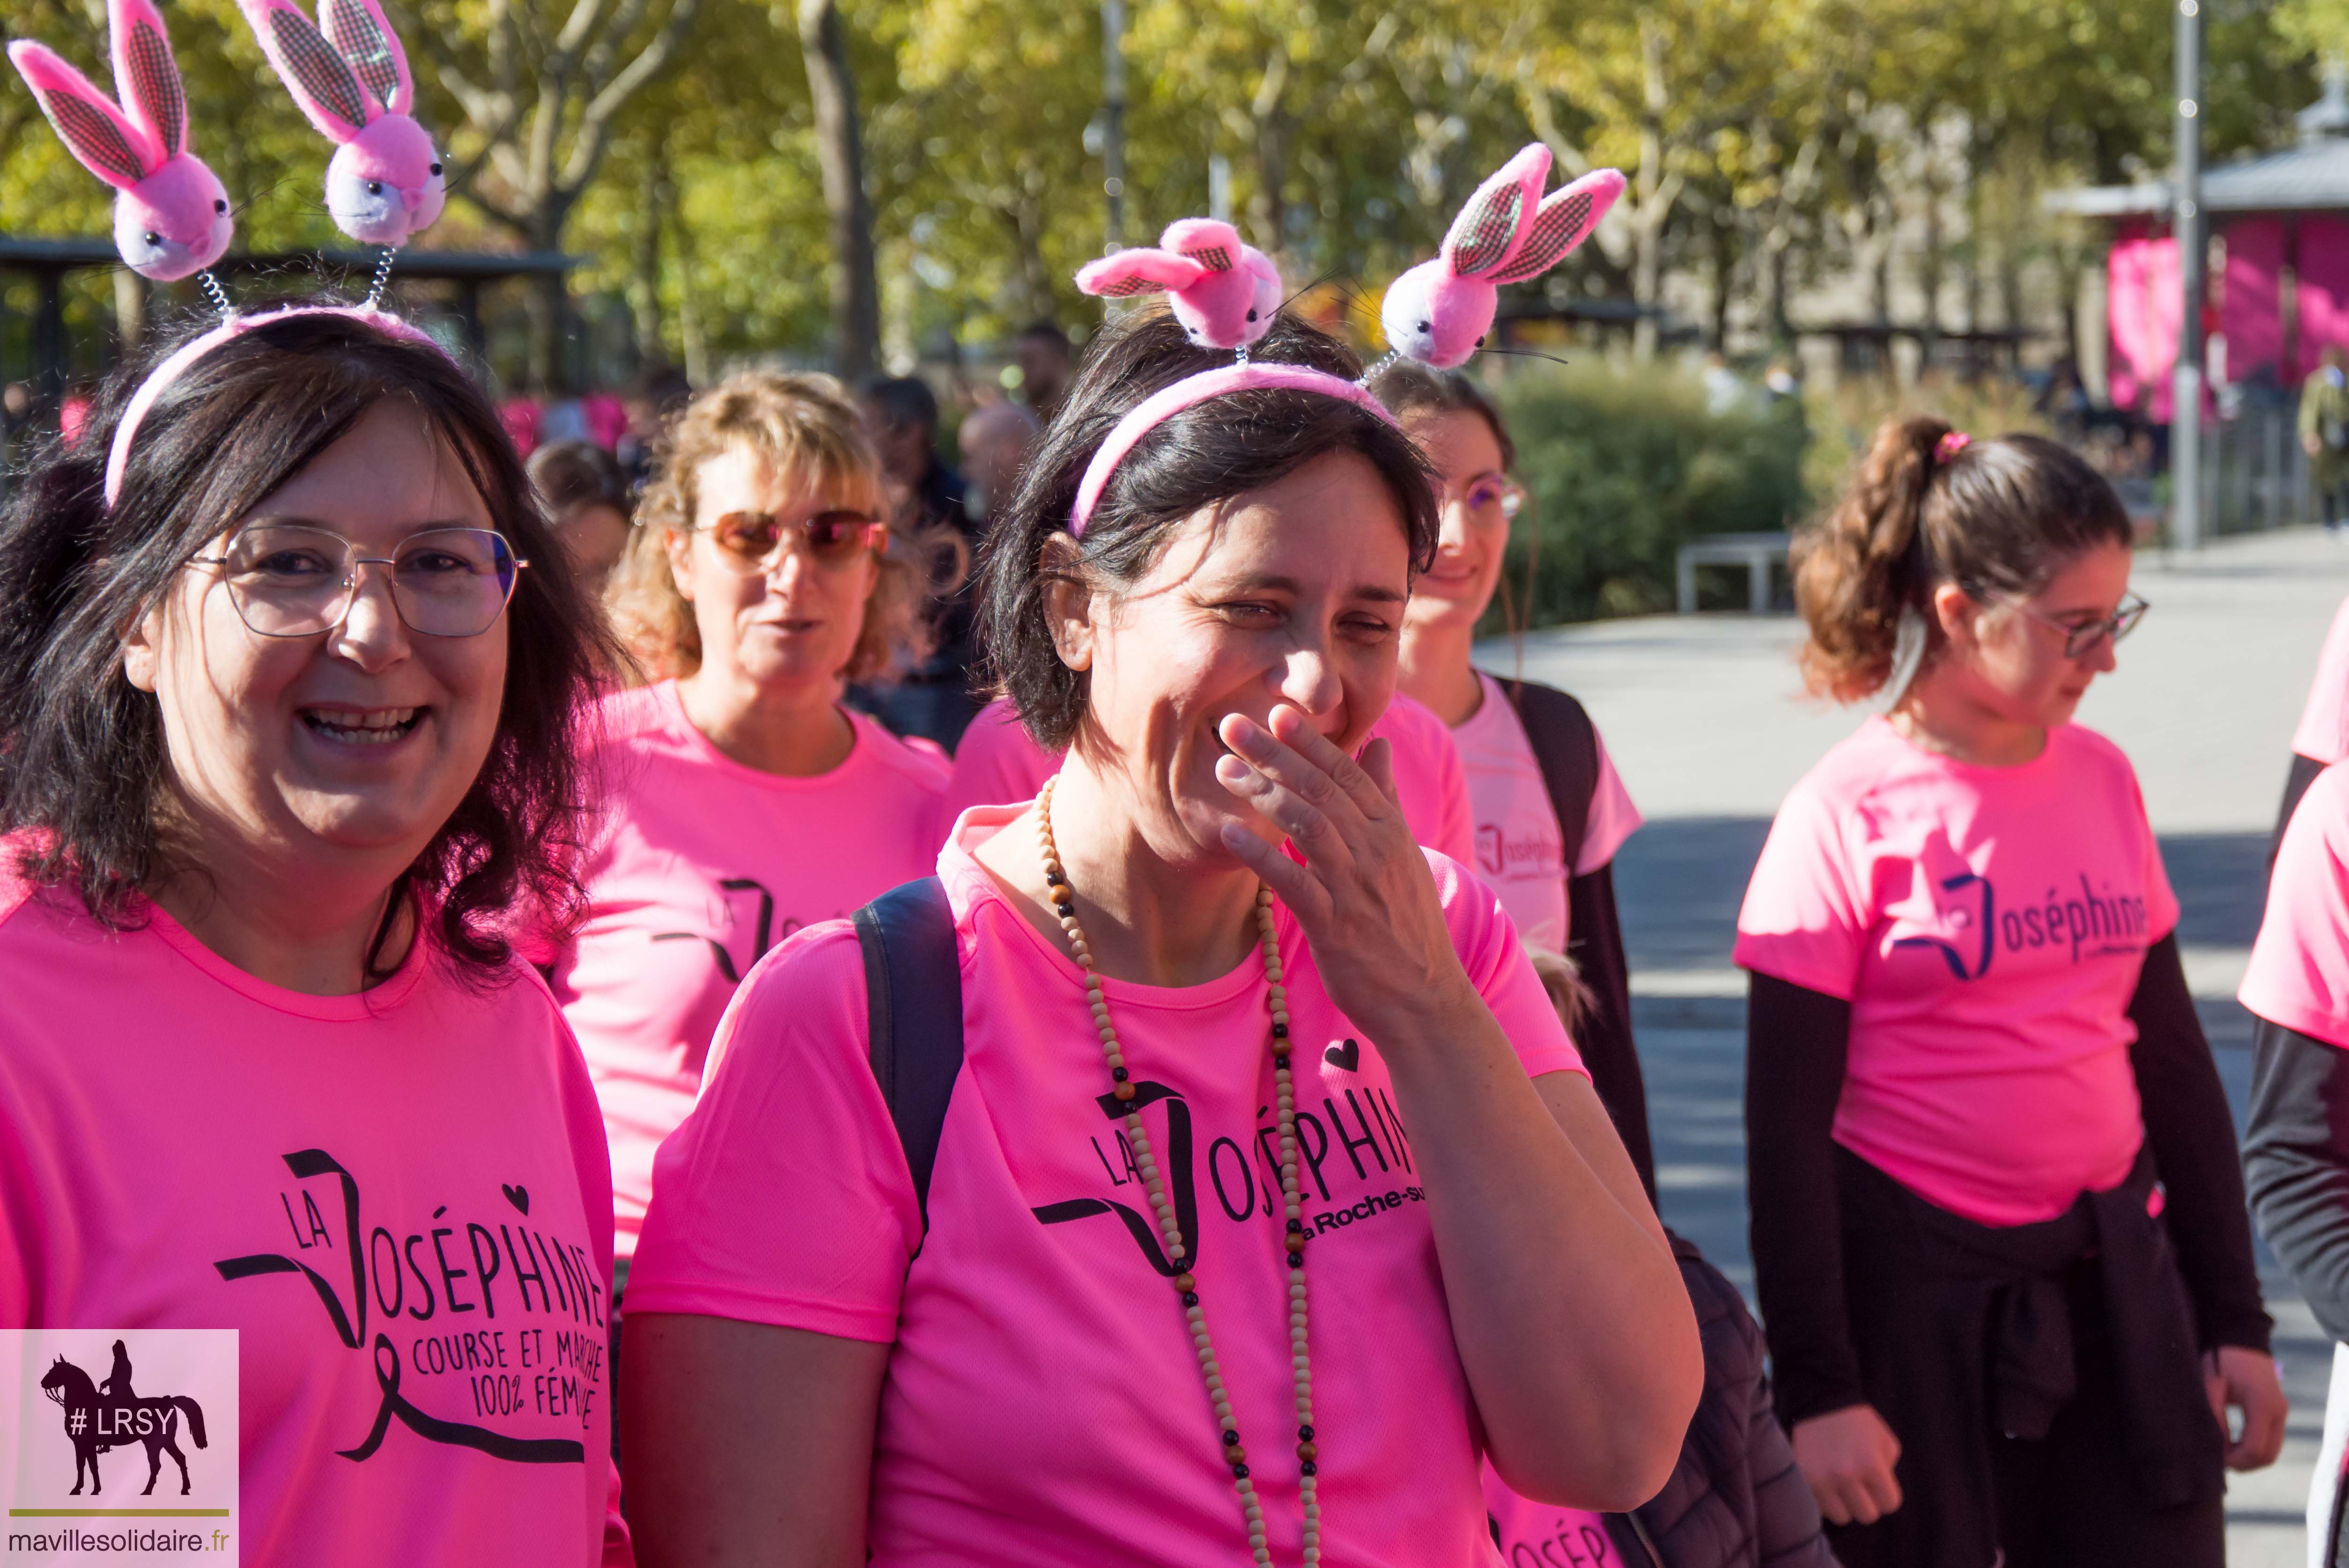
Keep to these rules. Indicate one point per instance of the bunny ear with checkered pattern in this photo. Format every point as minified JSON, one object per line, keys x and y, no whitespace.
{"x":146,"y":78}
{"x":1565,"y":219}
{"x":322,"y":83}
{"x":106,"y":142}
{"x":1139,"y":270}
{"x":360,"y":33}
{"x":1490,"y":228}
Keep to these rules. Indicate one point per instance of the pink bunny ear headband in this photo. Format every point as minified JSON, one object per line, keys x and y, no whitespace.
{"x":172,"y":219}
{"x":1226,"y":293}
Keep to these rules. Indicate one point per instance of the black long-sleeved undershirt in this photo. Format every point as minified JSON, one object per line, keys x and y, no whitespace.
{"x":2302,"y":774}
{"x":1796,"y":1041}
{"x":2296,"y":1164}
{"x":1603,"y":1033}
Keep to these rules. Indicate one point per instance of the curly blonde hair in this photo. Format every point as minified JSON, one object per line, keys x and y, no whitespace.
{"x":807,"y":427}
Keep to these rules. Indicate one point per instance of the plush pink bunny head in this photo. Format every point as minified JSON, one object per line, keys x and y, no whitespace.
{"x":1439,"y":312}
{"x":385,"y":181}
{"x":171,"y":218}
{"x":1225,"y":291}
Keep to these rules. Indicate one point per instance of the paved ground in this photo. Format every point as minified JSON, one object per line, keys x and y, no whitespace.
{"x":1706,"y":720}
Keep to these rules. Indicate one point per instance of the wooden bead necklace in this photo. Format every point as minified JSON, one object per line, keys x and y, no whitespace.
{"x":1064,"y":906}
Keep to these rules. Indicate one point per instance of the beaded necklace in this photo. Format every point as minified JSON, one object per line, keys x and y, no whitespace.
{"x":1065,"y":905}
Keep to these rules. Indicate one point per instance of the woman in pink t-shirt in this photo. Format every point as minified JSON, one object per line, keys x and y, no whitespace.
{"x":2295,"y":1153}
{"x":2322,"y":737}
{"x":1189,"y":1061}
{"x":284,"y":729}
{"x":1538,"y":775}
{"x":1551,"y":814}
{"x":1999,"y":1233}
{"x":741,"y":800}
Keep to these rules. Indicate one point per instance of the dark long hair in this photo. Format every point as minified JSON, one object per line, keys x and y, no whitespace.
{"x":1996,"y":517}
{"x":1207,"y":454}
{"x":84,"y":776}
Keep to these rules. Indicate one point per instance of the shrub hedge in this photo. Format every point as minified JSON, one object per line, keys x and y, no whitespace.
{"x":1622,"y":466}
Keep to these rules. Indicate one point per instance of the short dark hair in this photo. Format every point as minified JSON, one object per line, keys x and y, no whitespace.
{"x":570,"y":474}
{"x":903,"y":400}
{"x":1046,"y":330}
{"x":83,"y":767}
{"x":661,"y":388}
{"x":1408,"y":388}
{"x":1209,"y":452}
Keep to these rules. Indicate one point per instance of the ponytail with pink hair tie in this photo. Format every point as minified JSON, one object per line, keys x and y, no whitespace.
{"x":1952,"y":443}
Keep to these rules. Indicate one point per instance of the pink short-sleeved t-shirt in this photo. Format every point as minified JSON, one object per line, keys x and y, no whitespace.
{"x":1043,"y":1405}
{"x":998,"y":765}
{"x":398,"y":1198}
{"x":1520,"y":851}
{"x":1987,"y":926}
{"x":2323,"y":732}
{"x":700,"y":866}
{"x":2298,"y":972}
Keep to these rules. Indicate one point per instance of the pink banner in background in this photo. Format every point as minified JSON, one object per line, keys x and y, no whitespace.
{"x":2143,"y":309}
{"x":2250,"y":302}
{"x":2324,"y":257}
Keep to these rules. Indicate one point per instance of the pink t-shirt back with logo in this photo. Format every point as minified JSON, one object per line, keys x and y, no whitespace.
{"x":1520,"y":850}
{"x":1987,"y":926}
{"x":398,"y":1198}
{"x":701,"y":867}
{"x":2323,"y":732}
{"x":1545,"y":1535}
{"x":2298,"y":972}
{"x":998,"y":765}
{"x":1043,"y":1407}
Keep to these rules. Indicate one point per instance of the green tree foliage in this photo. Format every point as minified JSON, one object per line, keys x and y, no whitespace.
{"x":1766,"y":140}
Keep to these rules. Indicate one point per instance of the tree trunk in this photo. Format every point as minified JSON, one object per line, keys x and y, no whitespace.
{"x":1648,"y":223}
{"x":1268,"y":134}
{"x":1725,"y":275}
{"x":550,"y":305}
{"x":856,"y":292}
{"x":646,"y":304}
{"x":129,"y":308}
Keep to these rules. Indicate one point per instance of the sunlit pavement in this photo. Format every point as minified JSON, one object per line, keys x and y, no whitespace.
{"x":1706,"y":720}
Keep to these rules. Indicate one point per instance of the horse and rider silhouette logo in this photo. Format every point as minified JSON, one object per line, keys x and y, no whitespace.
{"x":99,"y":1416}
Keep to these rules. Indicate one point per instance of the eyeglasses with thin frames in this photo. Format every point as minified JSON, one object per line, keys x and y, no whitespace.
{"x":1490,"y":500}
{"x":289,"y":579}
{"x":2080,"y":638}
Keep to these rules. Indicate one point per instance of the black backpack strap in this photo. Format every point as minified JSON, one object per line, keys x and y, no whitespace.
{"x":1565,"y":744}
{"x":913,"y":1001}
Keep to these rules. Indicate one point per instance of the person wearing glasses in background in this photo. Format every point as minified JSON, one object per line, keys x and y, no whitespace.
{"x":743,"y":800}
{"x":288,"y":715}
{"x":1999,"y":1230}
{"x":1550,"y":813}
{"x":1538,"y":773}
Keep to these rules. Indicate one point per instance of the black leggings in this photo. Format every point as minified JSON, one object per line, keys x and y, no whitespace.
{"x":2068,"y":1499}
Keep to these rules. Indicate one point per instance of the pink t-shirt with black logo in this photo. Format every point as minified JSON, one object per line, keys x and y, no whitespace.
{"x":702,"y":865}
{"x":2323,"y":732}
{"x":2298,"y":972}
{"x":399,"y":1199}
{"x":1043,"y":1405}
{"x":1520,"y":851}
{"x":998,"y":765}
{"x":1987,"y":926}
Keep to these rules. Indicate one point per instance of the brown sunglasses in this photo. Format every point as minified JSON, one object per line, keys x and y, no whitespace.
{"x":751,"y":542}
